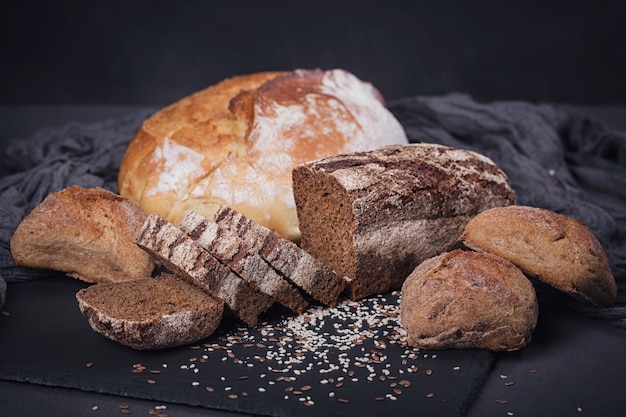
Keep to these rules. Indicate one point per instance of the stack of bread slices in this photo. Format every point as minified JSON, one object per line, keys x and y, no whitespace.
{"x":235,"y":262}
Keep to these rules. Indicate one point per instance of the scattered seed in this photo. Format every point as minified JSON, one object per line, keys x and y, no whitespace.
{"x":89,"y":364}
{"x":151,"y":381}
{"x":533,"y":370}
{"x":501,"y":401}
{"x":209,"y":389}
{"x":430,"y":395}
{"x":342,"y":400}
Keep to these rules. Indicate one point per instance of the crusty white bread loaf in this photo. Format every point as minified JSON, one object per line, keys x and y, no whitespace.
{"x":88,"y":233}
{"x":551,"y":247}
{"x":183,"y":256}
{"x":231,"y":250}
{"x":374,"y":216}
{"x":468,"y":300}
{"x":155,"y":313}
{"x":298,"y":266}
{"x":236,"y":142}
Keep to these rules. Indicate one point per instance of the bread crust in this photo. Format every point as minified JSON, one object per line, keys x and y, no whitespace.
{"x":182,"y":255}
{"x":374,"y":216}
{"x":230,"y":249}
{"x":309,"y":274}
{"x":549,"y":246}
{"x":468,"y":300}
{"x":156,"y":313}
{"x":88,"y":233}
{"x":236,"y":142}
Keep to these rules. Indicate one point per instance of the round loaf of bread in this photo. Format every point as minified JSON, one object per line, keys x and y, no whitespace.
{"x":551,"y":247}
{"x":235,"y":143}
{"x":468,"y":300}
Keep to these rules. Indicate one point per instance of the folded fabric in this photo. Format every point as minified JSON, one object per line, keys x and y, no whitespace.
{"x":555,"y":158}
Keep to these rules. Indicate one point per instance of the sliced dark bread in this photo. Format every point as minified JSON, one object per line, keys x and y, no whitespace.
{"x":226,"y":246}
{"x":155,"y":313}
{"x":312,"y":276}
{"x":182,"y":255}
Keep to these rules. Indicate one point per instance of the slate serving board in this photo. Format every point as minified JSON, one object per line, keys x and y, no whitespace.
{"x":47,"y":341}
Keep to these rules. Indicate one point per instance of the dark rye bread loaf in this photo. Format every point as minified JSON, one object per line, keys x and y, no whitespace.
{"x":374,"y":216}
{"x":182,"y":255}
{"x":225,"y":245}
{"x":298,"y":266}
{"x":155,"y":313}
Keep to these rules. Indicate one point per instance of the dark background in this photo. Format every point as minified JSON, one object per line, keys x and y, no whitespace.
{"x":154,"y":52}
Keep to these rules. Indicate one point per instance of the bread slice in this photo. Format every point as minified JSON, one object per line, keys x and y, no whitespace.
{"x":225,"y":245}
{"x":468,"y":300}
{"x":549,"y":246}
{"x":88,"y":233}
{"x":309,"y":274}
{"x":182,"y":255}
{"x":155,"y":313}
{"x":374,"y":216}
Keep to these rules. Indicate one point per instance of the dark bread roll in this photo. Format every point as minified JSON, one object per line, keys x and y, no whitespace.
{"x":468,"y":300}
{"x":551,"y":247}
{"x":155,"y":313}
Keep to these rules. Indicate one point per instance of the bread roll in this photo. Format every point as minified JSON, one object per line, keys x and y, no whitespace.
{"x":155,"y":313}
{"x":236,"y":142}
{"x":374,"y":216}
{"x":551,"y":247}
{"x":88,"y":233}
{"x":468,"y":300}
